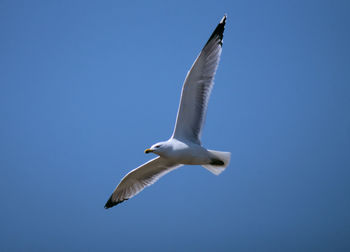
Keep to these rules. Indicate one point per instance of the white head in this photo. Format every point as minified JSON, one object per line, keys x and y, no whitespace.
{"x":157,"y":148}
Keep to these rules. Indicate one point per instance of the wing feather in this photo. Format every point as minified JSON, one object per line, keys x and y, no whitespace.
{"x":197,"y":88}
{"x":139,"y":178}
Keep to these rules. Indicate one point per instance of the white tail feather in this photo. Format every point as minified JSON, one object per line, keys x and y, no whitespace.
{"x":220,"y":155}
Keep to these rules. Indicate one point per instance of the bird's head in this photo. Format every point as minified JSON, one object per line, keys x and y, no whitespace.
{"x":157,"y":148}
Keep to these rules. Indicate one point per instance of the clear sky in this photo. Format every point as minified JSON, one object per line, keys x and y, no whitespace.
{"x":86,"y":86}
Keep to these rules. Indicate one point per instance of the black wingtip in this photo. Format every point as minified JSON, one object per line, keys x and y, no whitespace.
{"x":110,"y":203}
{"x":219,"y":31}
{"x":223,"y":20}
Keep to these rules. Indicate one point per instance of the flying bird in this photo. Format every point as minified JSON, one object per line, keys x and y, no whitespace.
{"x":184,"y":146}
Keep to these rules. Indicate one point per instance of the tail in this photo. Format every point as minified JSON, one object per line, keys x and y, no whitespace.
{"x":219,"y":161}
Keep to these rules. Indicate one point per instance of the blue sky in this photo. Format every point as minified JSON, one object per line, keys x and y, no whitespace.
{"x":86,"y":86}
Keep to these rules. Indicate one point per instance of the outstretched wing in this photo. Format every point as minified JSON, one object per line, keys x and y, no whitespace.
{"x":197,"y":87}
{"x":139,"y":178}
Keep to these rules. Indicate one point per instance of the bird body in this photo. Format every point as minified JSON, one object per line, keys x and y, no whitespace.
{"x":184,"y":147}
{"x":183,"y":152}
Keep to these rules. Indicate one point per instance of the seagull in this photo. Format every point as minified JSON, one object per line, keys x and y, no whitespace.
{"x":184,"y":146}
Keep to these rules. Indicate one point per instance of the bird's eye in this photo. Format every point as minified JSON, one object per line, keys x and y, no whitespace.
{"x":157,"y":146}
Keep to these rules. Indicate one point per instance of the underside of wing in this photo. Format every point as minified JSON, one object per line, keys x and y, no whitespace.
{"x":197,"y":87}
{"x":139,"y":178}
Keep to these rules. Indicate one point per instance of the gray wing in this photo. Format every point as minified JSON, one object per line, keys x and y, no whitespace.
{"x":197,"y":87}
{"x":139,"y":178}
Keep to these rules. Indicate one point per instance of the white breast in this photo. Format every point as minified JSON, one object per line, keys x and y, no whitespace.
{"x":186,"y":153}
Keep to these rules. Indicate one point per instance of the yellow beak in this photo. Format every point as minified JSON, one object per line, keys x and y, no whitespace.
{"x":148,"y":151}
